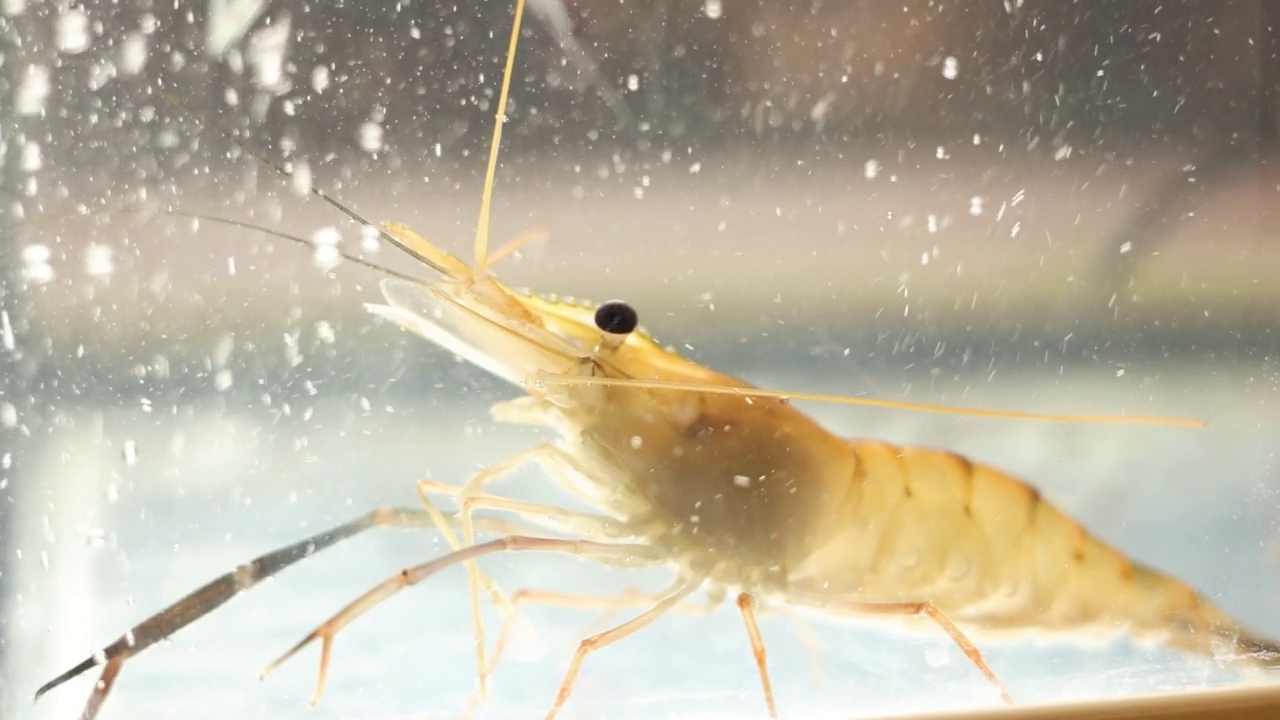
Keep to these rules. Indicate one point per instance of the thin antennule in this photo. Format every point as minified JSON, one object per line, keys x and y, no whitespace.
{"x":262,"y":157}
{"x":486,"y":199}
{"x":292,"y":238}
{"x":544,"y":379}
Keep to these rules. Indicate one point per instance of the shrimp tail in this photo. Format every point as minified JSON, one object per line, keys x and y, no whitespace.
{"x":1247,"y":651}
{"x":1258,"y":650}
{"x":1196,"y":625}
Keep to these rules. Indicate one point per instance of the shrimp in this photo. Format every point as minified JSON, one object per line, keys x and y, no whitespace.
{"x":731,"y":486}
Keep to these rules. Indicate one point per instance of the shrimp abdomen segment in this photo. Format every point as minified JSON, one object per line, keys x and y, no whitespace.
{"x":989,"y":551}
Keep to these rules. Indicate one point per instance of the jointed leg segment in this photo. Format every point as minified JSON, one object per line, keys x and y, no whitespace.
{"x":746,"y":604}
{"x":905,"y":608}
{"x":672,"y":597}
{"x":208,"y":598}
{"x":550,"y":518}
{"x":408,"y":577}
{"x":558,"y":464}
{"x":629,"y":598}
{"x":474,"y":577}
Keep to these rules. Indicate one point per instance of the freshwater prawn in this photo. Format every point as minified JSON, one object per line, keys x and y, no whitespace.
{"x":729,"y":485}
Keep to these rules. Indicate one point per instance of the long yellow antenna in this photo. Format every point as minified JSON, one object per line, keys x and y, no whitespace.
{"x":749,"y":392}
{"x":481,"y":263}
{"x":486,"y":200}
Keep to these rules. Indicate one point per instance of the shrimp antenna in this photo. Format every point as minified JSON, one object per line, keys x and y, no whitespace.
{"x":291,"y":238}
{"x":288,"y":172}
{"x":503,"y":252}
{"x":486,"y":198}
{"x":750,"y":392}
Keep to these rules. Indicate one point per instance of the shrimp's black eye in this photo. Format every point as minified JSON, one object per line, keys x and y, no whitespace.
{"x":616,"y":317}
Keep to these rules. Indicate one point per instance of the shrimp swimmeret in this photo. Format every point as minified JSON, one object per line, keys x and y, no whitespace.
{"x":730,"y":485}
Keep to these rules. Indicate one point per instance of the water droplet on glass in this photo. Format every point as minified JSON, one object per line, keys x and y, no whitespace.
{"x":371,"y":137}
{"x":32,"y":157}
{"x":326,"y":254}
{"x":73,"y":32}
{"x":300,"y":177}
{"x":223,"y":380}
{"x":950,"y":68}
{"x":35,"y":264}
{"x":33,"y":89}
{"x":133,"y":54}
{"x":130,"y":453}
{"x":320,"y":78}
{"x":8,"y":415}
{"x":99,"y":260}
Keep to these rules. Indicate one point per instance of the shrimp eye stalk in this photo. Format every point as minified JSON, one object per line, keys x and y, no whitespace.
{"x":617,"y":318}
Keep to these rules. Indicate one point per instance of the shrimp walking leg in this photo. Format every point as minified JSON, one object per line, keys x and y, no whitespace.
{"x":532,"y":516}
{"x":747,"y":604}
{"x":544,"y":517}
{"x":628,"y":599}
{"x":558,"y":463}
{"x":547,"y":455}
{"x":206,"y":599}
{"x":474,"y":578}
{"x":588,"y":526}
{"x":101,"y":688}
{"x":908,"y":608}
{"x":442,"y":523}
{"x":411,"y":576}
{"x":812,"y":643}
{"x":668,"y":600}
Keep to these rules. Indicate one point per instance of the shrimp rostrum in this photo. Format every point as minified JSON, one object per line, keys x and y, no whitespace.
{"x":733,"y":487}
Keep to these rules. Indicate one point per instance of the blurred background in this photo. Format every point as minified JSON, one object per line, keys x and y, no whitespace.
{"x":1034,"y":206}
